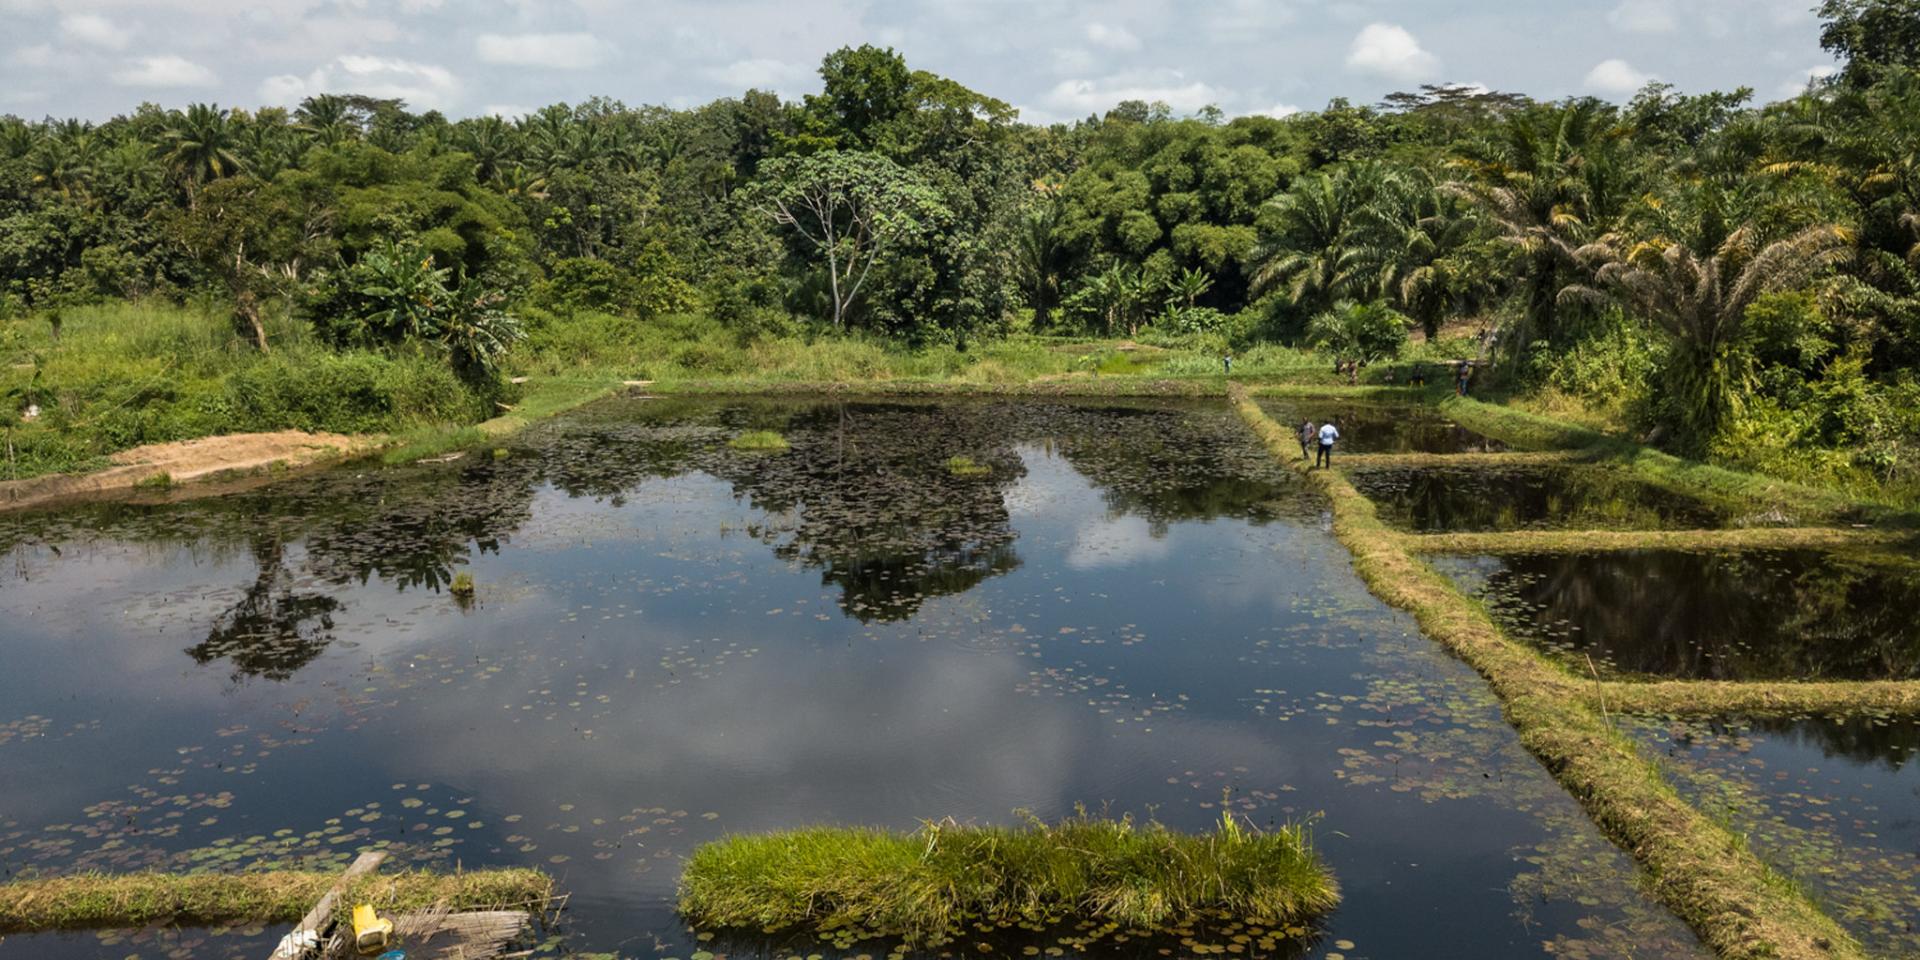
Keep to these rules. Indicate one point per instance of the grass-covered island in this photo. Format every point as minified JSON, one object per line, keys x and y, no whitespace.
{"x":925,"y":886}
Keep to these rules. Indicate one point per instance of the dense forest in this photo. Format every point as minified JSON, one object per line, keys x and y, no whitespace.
{"x":1735,"y":279}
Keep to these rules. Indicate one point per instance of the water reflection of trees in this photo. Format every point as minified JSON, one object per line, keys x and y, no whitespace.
{"x":1755,"y":615}
{"x":1378,"y":428}
{"x":1457,"y":499}
{"x":274,"y":629}
{"x":865,"y":495}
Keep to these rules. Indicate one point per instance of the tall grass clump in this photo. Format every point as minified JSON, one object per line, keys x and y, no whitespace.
{"x":921,"y":886}
{"x":759,"y":440}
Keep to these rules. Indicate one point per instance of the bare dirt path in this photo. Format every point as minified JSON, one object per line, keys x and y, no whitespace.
{"x":188,"y":460}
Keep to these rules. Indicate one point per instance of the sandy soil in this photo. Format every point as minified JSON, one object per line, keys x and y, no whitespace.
{"x":189,"y":460}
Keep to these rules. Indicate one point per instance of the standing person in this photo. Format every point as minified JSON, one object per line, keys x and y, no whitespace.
{"x":1307,"y":435}
{"x":1466,"y":373}
{"x":1226,"y":360}
{"x":1328,"y":435}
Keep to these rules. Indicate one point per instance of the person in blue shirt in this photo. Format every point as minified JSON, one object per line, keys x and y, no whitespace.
{"x":1329,"y":434}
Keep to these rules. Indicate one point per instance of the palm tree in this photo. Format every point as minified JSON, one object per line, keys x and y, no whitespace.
{"x":200,"y":145}
{"x":1700,"y":300}
{"x":327,"y":118}
{"x":1551,"y":181}
{"x":1310,"y":251}
{"x":1425,"y":248}
{"x":490,"y":141}
{"x":1360,"y":332}
{"x":17,"y":138}
{"x":1036,"y":251}
{"x":64,"y":163}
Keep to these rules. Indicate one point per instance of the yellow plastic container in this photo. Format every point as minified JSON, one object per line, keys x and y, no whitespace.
{"x":371,"y":932}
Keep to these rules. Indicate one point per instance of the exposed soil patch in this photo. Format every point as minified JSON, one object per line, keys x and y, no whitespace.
{"x":189,"y":460}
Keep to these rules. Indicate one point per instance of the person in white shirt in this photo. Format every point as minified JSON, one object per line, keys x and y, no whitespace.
{"x":1328,"y":435}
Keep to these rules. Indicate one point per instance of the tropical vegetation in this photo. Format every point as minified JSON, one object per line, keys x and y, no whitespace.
{"x":1728,"y":278}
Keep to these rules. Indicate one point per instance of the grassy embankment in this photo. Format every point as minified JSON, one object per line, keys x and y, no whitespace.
{"x":83,"y":901}
{"x":924,"y":887}
{"x":1698,"y":867}
{"x":1876,"y":528}
{"x":1802,"y":503}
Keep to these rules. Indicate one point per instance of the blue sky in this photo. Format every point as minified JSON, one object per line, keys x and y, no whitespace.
{"x":1055,"y":59}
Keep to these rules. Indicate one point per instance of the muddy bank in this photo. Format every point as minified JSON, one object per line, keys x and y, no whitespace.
{"x":163,"y":465}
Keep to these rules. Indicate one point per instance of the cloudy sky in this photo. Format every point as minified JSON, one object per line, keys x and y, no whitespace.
{"x":1055,"y":59}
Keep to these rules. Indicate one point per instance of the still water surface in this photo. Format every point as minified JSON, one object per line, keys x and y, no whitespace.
{"x":1132,"y":609}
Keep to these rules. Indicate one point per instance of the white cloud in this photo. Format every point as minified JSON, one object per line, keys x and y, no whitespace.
{"x":1616,"y":77}
{"x":559,"y":51}
{"x":1388,"y":50}
{"x":1112,"y":38}
{"x":424,"y":86}
{"x":1797,"y":84}
{"x":1072,"y":60}
{"x":1644,"y":16}
{"x":1279,"y":111}
{"x":163,"y":70}
{"x":1084,"y":96}
{"x":505,"y":111}
{"x":39,"y":55}
{"x":1119,"y":542}
{"x":763,"y":73}
{"x":94,"y":30}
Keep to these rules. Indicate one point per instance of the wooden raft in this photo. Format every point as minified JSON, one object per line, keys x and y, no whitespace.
{"x":436,"y":933}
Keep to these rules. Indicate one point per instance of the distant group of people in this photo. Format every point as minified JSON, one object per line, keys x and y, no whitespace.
{"x":1462,"y":376}
{"x":1318,"y":439}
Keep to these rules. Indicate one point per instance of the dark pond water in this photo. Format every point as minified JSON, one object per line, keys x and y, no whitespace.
{"x":1834,"y":804}
{"x":1748,"y":615}
{"x":1382,"y":428}
{"x":1131,"y":609}
{"x":1466,"y":499}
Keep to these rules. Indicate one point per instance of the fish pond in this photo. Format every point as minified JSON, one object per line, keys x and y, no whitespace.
{"x":1463,"y":499}
{"x":1382,"y":428}
{"x":1745,"y":615}
{"x":1835,"y":805}
{"x":908,"y":612}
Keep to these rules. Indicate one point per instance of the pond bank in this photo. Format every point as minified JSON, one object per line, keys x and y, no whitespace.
{"x":1697,"y":867}
{"x":93,"y":900}
{"x":162,"y":465}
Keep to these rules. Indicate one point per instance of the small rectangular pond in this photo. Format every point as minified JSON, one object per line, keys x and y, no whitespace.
{"x":1746,"y":615}
{"x":915,"y":610}
{"x":1460,"y":499}
{"x":1833,"y":804}
{"x":1380,"y":427}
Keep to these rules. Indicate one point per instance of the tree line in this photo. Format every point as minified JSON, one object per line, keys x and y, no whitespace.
{"x":1740,"y":277}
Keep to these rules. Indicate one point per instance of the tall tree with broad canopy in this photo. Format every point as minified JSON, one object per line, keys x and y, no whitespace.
{"x":851,"y":209}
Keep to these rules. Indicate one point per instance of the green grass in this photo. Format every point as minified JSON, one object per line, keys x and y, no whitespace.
{"x":921,"y":886}
{"x":282,"y":896}
{"x":1723,"y":485}
{"x":125,"y":374}
{"x":760,"y":440}
{"x":961,"y":465}
{"x":538,"y":400}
